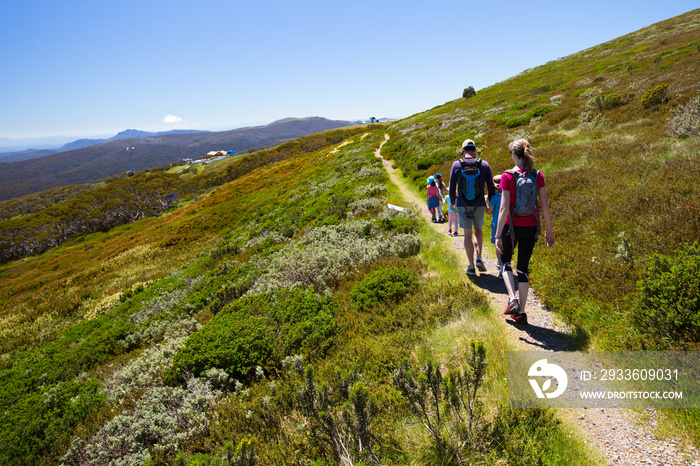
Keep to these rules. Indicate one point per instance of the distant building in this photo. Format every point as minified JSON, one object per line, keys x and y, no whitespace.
{"x":204,"y":159}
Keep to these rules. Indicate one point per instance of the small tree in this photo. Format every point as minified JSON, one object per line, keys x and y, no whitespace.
{"x":341,"y":417}
{"x":461,"y":387}
{"x":423,"y":392}
{"x":469,"y":92}
{"x":426,"y":389}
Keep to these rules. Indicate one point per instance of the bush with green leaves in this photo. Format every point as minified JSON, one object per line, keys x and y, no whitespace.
{"x":655,"y":96}
{"x":386,"y":285}
{"x":538,"y":111}
{"x":608,"y":102}
{"x":46,"y":394}
{"x":469,"y":92}
{"x":668,"y":304}
{"x":686,"y":119}
{"x":259,"y":330}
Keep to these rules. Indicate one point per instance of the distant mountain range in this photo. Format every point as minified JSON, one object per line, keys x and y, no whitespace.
{"x":101,"y":160}
{"x":11,"y":155}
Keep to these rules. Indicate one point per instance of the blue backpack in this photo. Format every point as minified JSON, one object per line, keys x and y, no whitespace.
{"x":471,"y":183}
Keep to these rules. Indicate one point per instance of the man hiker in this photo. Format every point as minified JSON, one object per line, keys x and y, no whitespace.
{"x":467,"y":178}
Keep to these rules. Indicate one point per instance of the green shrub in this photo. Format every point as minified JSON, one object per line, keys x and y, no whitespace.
{"x":686,"y":119}
{"x":608,"y":102}
{"x":541,"y":110}
{"x":615,"y":100}
{"x":655,"y":96}
{"x":35,"y":427}
{"x":426,"y":162}
{"x":399,"y":225}
{"x":259,"y":330}
{"x":517,"y":121}
{"x":516,"y":437}
{"x":541,"y":89}
{"x":668,"y":305}
{"x":538,"y":111}
{"x":469,"y":92}
{"x":384,"y":285}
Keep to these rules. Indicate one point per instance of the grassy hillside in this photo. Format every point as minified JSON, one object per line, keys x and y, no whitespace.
{"x":246,"y":320}
{"x":615,"y":130}
{"x":284,"y":315}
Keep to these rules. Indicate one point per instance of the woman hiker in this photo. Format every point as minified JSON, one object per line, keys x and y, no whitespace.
{"x":518,"y":223}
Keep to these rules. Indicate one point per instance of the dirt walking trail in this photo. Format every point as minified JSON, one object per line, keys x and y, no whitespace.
{"x":623,"y":436}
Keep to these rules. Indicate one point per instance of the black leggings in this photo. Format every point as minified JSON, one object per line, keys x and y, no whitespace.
{"x":525,"y":238}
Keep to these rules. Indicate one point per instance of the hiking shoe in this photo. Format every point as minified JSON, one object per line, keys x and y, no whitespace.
{"x":472,"y":271}
{"x":513,"y":307}
{"x":449,"y":232}
{"x":520,"y":318}
{"x":480,"y":265}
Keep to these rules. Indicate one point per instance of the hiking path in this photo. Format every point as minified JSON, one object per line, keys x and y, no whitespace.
{"x":623,"y":436}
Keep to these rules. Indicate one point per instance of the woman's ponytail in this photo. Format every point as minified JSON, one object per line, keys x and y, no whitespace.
{"x":523,"y":151}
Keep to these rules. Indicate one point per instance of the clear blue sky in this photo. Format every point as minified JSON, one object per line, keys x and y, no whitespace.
{"x":90,"y":67}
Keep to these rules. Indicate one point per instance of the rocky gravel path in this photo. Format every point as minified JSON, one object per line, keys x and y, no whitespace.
{"x":623,"y":436}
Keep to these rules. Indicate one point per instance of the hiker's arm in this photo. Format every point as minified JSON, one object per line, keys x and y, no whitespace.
{"x":502,"y":215}
{"x":547,"y":215}
{"x":489,"y":185}
{"x":489,"y":207}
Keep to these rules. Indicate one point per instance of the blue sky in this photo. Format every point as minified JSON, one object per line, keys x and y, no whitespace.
{"x":94,"y":68}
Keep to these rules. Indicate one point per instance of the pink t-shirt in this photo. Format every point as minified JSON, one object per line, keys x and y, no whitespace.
{"x":433,"y":191}
{"x":508,"y":184}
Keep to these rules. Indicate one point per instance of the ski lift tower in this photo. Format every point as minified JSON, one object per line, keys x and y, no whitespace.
{"x":130,"y":156}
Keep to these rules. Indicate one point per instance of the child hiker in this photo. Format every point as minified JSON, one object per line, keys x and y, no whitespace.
{"x":433,"y":197}
{"x":494,"y":206}
{"x":441,"y":187}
